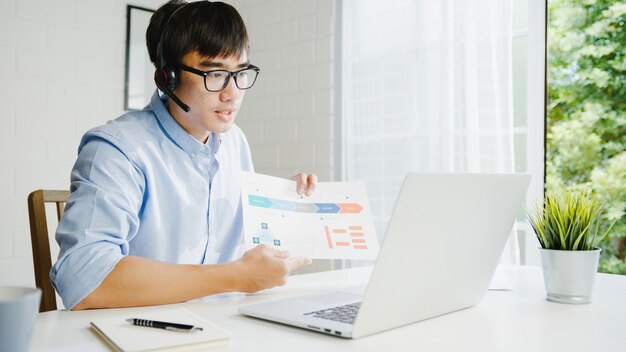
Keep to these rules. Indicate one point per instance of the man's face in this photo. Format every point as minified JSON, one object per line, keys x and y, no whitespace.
{"x":210,"y":111}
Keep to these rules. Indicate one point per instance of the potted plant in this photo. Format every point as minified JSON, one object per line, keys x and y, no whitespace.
{"x":567,"y":226}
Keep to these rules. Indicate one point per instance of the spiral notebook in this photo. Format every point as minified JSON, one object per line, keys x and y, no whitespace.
{"x":125,"y":337}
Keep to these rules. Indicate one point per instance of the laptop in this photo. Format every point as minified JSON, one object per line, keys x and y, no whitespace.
{"x":441,"y":248}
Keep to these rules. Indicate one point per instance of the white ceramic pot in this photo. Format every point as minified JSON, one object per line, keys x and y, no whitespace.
{"x":569,"y":275}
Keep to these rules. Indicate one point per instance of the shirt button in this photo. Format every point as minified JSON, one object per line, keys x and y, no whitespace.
{"x":193,"y":155}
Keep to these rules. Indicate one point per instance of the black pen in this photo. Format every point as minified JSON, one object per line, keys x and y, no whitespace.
{"x":163,"y":325}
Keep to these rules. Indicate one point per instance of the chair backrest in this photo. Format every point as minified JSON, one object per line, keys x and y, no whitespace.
{"x":40,"y":242}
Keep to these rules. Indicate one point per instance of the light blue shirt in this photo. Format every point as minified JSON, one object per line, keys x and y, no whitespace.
{"x":143,"y":186}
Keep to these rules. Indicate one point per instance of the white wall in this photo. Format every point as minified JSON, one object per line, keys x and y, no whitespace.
{"x":288,"y":114}
{"x":62,"y":72}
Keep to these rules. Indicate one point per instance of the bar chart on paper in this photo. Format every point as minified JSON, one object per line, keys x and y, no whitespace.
{"x":333,"y":223}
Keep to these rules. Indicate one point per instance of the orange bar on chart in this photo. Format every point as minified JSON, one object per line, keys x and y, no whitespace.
{"x":360,"y":247}
{"x":330,"y":241}
{"x":349,"y":208}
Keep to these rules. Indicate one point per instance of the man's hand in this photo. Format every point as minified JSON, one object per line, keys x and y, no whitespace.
{"x":137,"y":281}
{"x":265,"y":267}
{"x":306,"y":183}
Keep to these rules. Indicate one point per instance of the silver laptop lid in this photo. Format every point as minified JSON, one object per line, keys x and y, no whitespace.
{"x":441,"y":248}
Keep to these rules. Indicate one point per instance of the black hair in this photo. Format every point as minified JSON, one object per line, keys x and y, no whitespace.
{"x":213,"y":29}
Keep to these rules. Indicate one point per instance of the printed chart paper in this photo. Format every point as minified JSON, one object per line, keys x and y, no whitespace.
{"x":334,"y":223}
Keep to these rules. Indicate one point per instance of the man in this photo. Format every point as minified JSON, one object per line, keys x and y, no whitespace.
{"x":155,"y":214}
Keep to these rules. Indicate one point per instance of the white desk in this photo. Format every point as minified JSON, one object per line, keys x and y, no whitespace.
{"x":519,"y":320}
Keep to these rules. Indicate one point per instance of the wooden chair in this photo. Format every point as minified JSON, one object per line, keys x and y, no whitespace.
{"x":40,"y":242}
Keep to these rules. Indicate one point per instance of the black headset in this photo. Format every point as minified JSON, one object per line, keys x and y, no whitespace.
{"x":165,"y":76}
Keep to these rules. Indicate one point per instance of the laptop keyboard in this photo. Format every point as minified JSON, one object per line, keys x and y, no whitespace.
{"x":343,"y":314}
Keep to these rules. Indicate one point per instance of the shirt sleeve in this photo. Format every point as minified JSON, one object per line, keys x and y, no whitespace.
{"x":100,"y":218}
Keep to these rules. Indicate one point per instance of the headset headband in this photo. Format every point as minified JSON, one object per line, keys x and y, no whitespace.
{"x":160,"y":57}
{"x":164,"y":76}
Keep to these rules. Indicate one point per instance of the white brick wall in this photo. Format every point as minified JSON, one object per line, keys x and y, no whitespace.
{"x":292,"y":42}
{"x":62,"y":72}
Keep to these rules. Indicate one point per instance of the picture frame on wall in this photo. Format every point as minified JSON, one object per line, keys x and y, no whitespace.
{"x":139,"y":71}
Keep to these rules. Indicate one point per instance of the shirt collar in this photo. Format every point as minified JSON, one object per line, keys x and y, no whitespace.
{"x":181,"y":137}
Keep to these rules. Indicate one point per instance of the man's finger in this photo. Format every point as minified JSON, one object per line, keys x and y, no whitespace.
{"x":283,"y":254}
{"x":301,"y":182}
{"x":279,"y":253}
{"x":294,"y":263}
{"x":311,"y":183}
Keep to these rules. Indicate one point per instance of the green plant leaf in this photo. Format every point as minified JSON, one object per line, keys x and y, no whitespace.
{"x":568,"y":220}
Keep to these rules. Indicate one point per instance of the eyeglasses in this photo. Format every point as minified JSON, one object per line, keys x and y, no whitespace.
{"x":217,"y":80}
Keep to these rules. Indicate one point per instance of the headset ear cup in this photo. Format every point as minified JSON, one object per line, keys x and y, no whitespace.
{"x":165,"y":76}
{"x":170,"y":77}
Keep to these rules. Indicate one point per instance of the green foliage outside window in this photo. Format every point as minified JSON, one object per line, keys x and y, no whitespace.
{"x":586,"y":129}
